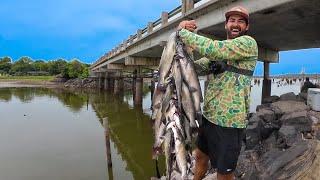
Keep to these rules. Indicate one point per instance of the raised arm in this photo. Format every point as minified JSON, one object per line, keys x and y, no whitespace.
{"x":241,"y":48}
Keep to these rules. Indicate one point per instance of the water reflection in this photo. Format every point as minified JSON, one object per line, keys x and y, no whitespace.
{"x":59,"y":134}
{"x":130,"y":129}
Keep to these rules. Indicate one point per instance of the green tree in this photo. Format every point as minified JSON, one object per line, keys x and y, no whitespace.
{"x":57,"y":67}
{"x":40,"y":65}
{"x":22,"y":66}
{"x":5,"y":64}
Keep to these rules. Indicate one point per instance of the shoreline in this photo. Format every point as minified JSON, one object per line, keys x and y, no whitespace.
{"x":28,"y":83}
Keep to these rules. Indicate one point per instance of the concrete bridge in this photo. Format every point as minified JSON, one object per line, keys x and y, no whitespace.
{"x":277,"y":25}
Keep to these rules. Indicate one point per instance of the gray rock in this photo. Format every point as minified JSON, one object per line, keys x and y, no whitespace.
{"x":252,"y":135}
{"x":288,"y":96}
{"x":270,"y":99}
{"x":274,"y":162}
{"x":266,"y":114}
{"x":289,"y":135}
{"x":266,"y":128}
{"x":285,"y":107}
{"x":263,"y":106}
{"x":297,"y":119}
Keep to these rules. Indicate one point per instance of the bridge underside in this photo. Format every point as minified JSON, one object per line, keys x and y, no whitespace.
{"x":277,"y":25}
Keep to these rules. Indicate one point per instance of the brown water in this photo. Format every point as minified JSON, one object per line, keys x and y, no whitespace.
{"x":54,"y":134}
{"x":58,"y":135}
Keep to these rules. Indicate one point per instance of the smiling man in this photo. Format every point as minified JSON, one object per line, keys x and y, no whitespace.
{"x":226,"y":102}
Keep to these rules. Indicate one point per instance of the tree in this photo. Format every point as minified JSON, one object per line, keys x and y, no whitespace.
{"x":5,"y":64}
{"x":57,"y":67}
{"x":22,"y":66}
{"x":40,"y":65}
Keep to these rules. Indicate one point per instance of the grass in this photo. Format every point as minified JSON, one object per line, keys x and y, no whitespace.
{"x":27,"y":78}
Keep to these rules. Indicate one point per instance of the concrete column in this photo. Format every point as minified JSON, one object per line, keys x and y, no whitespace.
{"x":150,"y":27}
{"x":164,"y":18}
{"x":99,"y":81}
{"x":139,"y":34}
{"x":134,"y":78}
{"x":106,"y":81}
{"x":118,"y":83}
{"x":186,"y":6}
{"x":266,"y":87}
{"x":138,"y":92}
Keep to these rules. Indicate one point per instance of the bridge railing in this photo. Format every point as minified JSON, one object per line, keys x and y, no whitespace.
{"x":166,"y":18}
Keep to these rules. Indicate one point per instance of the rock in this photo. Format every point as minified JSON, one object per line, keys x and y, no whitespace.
{"x":266,"y":114}
{"x":303,"y":96}
{"x":246,"y":168}
{"x":252,"y":135}
{"x":288,"y":135}
{"x":304,"y":165}
{"x":285,"y":107}
{"x":270,"y":99}
{"x":269,"y":143}
{"x":272,"y":163}
{"x":263,"y":106}
{"x":297,"y":119}
{"x":288,"y":96}
{"x":266,"y":128}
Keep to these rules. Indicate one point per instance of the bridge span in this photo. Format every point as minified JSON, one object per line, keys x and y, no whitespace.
{"x":277,"y":25}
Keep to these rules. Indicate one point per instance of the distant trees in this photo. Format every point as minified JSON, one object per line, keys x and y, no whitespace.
{"x":5,"y":65}
{"x":27,"y":66}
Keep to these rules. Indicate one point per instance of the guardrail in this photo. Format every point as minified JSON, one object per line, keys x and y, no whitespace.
{"x":152,"y":26}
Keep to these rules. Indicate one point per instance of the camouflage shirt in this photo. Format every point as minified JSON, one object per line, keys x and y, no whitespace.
{"x":226,"y":101}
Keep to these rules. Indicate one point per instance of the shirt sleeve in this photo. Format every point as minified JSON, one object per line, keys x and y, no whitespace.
{"x":202,"y":66}
{"x":241,"y":48}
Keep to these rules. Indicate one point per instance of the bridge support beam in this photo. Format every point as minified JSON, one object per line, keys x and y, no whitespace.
{"x":106,"y":82}
{"x":118,"y":84}
{"x":267,"y":56}
{"x":138,"y":92}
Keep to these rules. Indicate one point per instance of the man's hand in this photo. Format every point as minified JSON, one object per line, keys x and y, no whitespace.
{"x":189,"y":25}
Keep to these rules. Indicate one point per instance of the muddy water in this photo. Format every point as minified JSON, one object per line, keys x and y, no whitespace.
{"x":56,"y":134}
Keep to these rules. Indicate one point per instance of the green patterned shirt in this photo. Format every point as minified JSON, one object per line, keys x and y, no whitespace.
{"x":226,"y":101}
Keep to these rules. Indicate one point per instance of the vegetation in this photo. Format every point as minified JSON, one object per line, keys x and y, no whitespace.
{"x":25,"y":66}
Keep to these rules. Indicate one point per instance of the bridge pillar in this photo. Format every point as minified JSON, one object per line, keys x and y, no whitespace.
{"x":266,"y":85}
{"x":268,"y":56}
{"x":118,"y":83}
{"x":138,"y":91}
{"x":106,"y":82}
{"x":99,"y":81}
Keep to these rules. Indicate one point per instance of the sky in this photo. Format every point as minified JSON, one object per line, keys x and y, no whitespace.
{"x":87,"y":29}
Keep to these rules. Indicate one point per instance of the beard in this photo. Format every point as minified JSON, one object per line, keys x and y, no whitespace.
{"x":232,"y":35}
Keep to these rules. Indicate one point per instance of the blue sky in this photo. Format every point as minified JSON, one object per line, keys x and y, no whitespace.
{"x":86,"y":29}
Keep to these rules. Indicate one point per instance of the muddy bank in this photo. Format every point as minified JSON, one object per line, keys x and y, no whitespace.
{"x":26,"y":83}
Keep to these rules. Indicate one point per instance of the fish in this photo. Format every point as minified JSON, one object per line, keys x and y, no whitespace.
{"x":188,"y":105}
{"x":190,"y":77}
{"x":168,"y":148}
{"x":176,"y":107}
{"x":166,"y":60}
{"x":177,"y":80}
{"x":180,"y":150}
{"x":159,"y":138}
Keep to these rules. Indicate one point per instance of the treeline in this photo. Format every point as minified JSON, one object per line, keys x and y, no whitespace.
{"x":27,"y":66}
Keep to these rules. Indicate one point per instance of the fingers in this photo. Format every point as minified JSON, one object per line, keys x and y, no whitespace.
{"x":189,"y":25}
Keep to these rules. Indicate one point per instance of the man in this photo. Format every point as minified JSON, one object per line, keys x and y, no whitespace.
{"x":226,"y":102}
{"x":306,"y":85}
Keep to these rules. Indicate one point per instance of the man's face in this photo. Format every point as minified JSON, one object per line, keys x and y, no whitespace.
{"x":236,"y":26}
